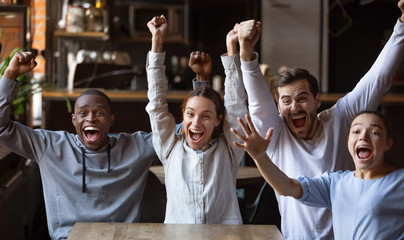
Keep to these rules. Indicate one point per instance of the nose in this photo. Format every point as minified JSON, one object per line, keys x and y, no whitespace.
{"x":295,"y":105}
{"x":197,"y":120}
{"x":364,"y":136}
{"x":91,"y":117}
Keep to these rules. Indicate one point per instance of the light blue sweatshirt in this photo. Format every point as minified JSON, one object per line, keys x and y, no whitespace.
{"x":362,"y":209}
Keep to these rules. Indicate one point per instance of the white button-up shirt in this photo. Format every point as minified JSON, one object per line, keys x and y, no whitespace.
{"x":201,"y":184}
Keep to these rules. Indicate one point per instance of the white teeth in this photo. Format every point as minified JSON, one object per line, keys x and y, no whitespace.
{"x":195,"y":131}
{"x":295,"y":117}
{"x":91,"y":129}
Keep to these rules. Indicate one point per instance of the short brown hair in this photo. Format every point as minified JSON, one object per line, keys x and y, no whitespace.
{"x":289,"y":75}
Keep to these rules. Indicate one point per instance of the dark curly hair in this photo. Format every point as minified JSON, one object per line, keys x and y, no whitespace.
{"x":93,"y":91}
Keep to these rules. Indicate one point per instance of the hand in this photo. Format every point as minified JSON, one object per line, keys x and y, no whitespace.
{"x":22,"y":62}
{"x":232,"y":40}
{"x":253,"y":143}
{"x":400,"y":5}
{"x":201,"y":64}
{"x":158,"y":27}
{"x":248,"y":35}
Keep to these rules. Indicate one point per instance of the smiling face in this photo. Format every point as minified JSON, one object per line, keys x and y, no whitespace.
{"x":92,"y":119}
{"x":298,"y":107}
{"x":367,"y":143}
{"x":200,"y":119}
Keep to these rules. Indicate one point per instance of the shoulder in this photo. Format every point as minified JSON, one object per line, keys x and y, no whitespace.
{"x":56,"y":135}
{"x":397,"y":174}
{"x":138,"y":136}
{"x":138,"y":142}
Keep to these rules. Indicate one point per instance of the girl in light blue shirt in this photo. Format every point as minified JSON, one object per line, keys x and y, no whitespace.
{"x":366,"y":203}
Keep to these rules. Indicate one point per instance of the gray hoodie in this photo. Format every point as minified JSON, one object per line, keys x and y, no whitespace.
{"x":114,"y":176}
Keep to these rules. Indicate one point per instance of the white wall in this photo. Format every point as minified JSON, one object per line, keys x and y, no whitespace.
{"x":292,"y":35}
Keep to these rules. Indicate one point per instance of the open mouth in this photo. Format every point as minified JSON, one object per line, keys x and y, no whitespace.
{"x":298,"y":121}
{"x":363,"y":152}
{"x":195,"y":135}
{"x":91,"y":133}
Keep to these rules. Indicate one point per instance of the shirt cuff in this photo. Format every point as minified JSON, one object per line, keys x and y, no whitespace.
{"x":230,"y":62}
{"x":303,"y":181}
{"x":155,"y":59}
{"x":9,"y":86}
{"x":250,"y":65}
{"x":197,"y":84}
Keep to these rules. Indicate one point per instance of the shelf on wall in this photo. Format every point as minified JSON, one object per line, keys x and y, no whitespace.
{"x":104,"y":36}
{"x":147,"y":39}
{"x":93,"y":35}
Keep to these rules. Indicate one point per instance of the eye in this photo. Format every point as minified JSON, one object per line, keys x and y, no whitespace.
{"x":302,"y":99}
{"x":83,"y":114}
{"x":189,"y":114}
{"x":100,"y":113}
{"x":355,"y":131}
{"x":374,"y":132}
{"x":286,"y":101}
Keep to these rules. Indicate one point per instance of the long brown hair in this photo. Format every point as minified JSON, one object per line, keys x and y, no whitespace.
{"x":211,"y":94}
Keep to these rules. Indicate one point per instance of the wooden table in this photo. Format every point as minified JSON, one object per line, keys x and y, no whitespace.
{"x":246,"y":176}
{"x":144,"y":231}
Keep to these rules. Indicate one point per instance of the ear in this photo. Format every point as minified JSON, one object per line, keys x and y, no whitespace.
{"x":74,"y":119}
{"x":317,"y":101}
{"x":112,"y":120}
{"x":279,"y":108}
{"x":219,"y":119}
{"x":389,"y":144}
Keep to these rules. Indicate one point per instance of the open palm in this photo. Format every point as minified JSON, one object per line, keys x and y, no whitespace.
{"x":253,"y":143}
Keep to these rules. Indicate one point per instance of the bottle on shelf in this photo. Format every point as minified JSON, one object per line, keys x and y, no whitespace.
{"x":94,"y":17}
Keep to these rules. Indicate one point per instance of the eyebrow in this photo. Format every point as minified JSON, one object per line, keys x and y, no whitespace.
{"x":372,"y":125}
{"x":190,"y":108}
{"x":298,"y":95}
{"x":83,"y":106}
{"x":376,"y":125}
{"x":96,"y":105}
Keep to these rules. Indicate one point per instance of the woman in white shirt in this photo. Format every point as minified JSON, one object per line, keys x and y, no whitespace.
{"x":200,"y":163}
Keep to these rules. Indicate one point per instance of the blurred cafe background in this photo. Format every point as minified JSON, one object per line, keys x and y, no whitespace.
{"x":103,"y":44}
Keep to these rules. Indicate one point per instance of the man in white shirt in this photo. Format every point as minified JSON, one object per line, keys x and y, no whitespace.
{"x":305,"y":142}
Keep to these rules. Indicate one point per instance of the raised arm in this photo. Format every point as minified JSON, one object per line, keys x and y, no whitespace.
{"x":158,"y":28}
{"x":263,"y":110}
{"x":161,"y":120}
{"x":22,"y":62}
{"x":256,"y":146}
{"x":369,"y":91}
{"x":235,"y":95}
{"x":232,"y":40}
{"x":248,"y":34}
{"x":18,"y":138}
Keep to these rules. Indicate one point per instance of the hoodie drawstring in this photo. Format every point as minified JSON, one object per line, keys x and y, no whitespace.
{"x":83,"y":157}
{"x":109,"y":157}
